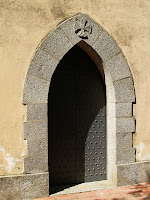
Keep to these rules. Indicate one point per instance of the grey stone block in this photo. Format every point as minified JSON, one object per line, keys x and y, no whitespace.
{"x":57,"y":44}
{"x":144,"y":172}
{"x":106,"y":47}
{"x":36,"y":165}
{"x":119,"y":109}
{"x":123,"y":141}
{"x":35,"y":90}
{"x":37,"y":148}
{"x":133,"y":173}
{"x":125,"y":125}
{"x":123,"y":109}
{"x":10,"y":188}
{"x":35,"y":130}
{"x":124,"y":91}
{"x":125,"y":156}
{"x":37,"y":112}
{"x":118,"y":67}
{"x":24,"y":186}
{"x":42,"y":65}
{"x":127,"y":174}
{"x":77,"y":22}
{"x":34,"y":185}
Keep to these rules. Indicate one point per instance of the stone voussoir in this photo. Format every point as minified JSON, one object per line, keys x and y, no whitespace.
{"x":57,"y":43}
{"x":124,"y":91}
{"x":72,"y":27}
{"x":35,"y":90}
{"x":106,"y":47}
{"x":42,"y":65}
{"x":118,"y":67}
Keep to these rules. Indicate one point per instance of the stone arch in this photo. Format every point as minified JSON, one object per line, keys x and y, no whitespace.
{"x":120,"y":95}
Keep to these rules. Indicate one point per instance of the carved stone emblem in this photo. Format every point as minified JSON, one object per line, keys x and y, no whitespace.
{"x":83,"y":29}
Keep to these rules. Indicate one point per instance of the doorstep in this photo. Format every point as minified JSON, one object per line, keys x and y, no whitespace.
{"x":133,"y":192}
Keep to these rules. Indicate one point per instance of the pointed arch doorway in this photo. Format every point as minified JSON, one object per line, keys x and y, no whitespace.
{"x":77,"y":121}
{"x":120,"y":97}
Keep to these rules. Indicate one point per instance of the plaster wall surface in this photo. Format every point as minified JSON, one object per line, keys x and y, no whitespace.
{"x":24,"y":24}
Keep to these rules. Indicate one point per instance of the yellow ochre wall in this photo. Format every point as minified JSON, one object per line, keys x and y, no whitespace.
{"x":23,"y":24}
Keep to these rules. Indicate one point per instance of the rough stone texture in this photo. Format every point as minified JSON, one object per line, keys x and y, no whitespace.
{"x":37,"y":112}
{"x":35,"y":130}
{"x":124,"y":90}
{"x":106,"y":47}
{"x":37,"y":148}
{"x":125,"y":156}
{"x":127,"y":174}
{"x":36,"y":165}
{"x":123,"y":141}
{"x":69,"y":28}
{"x":34,"y":185}
{"x":125,"y":125}
{"x":24,"y":186}
{"x":119,"y":109}
{"x":10,"y":188}
{"x":144,"y":172}
{"x":133,"y":173}
{"x":123,"y":109}
{"x":42,"y":65}
{"x":118,"y":67}
{"x":57,"y":44}
{"x":35,"y":90}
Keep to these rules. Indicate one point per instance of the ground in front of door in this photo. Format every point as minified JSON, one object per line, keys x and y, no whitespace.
{"x":138,"y":192}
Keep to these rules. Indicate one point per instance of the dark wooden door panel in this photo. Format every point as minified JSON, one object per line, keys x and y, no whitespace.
{"x":77,"y":121}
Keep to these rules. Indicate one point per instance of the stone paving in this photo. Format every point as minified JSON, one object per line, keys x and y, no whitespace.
{"x":138,"y":192}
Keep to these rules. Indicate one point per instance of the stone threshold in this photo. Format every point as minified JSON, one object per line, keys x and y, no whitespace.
{"x":82,"y":187}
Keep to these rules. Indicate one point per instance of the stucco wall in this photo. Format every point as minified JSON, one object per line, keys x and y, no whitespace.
{"x":23,"y":24}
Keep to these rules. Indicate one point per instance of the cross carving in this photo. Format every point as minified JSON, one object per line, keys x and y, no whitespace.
{"x":83,"y":29}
